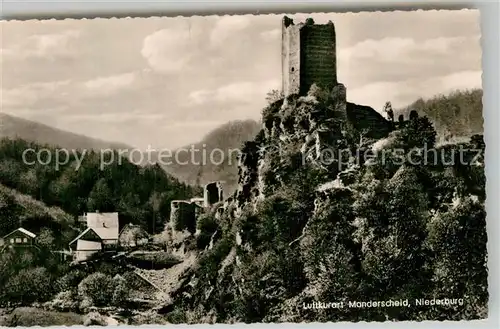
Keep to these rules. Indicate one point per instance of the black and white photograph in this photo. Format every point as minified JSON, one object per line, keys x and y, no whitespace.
{"x":277,"y":168}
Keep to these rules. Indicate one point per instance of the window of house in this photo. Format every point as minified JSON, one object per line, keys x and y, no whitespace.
{"x":18,"y":240}
{"x":25,"y":240}
{"x":11,"y":240}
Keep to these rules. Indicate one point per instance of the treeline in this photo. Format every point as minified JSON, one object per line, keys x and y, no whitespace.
{"x":455,"y":115}
{"x":141,"y":195}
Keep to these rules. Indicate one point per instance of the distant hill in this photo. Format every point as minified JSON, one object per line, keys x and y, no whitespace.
{"x":227,"y":138}
{"x":14,"y":127}
{"x":457,"y":114}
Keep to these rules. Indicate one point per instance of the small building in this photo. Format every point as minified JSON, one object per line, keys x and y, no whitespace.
{"x":101,"y":233}
{"x":133,"y":236}
{"x":19,"y":238}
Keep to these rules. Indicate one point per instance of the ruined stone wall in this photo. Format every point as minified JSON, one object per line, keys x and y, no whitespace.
{"x":212,"y":193}
{"x":290,"y":57}
{"x":366,"y":119}
{"x":317,"y":57}
{"x":183,"y":215}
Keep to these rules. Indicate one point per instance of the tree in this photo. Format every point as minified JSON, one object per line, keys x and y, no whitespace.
{"x":274,"y":96}
{"x":100,"y":198}
{"x":419,"y":132}
{"x":45,"y":238}
{"x":458,"y":238}
{"x":413,"y":114}
{"x":389,"y":111}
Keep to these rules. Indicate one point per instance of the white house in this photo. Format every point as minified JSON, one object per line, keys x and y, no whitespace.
{"x":101,"y":232}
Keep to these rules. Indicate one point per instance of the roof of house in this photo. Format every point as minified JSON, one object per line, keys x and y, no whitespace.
{"x":103,"y":233}
{"x":133,"y":228}
{"x":104,"y":224}
{"x":82,"y":234}
{"x":98,"y":220}
{"x":24,"y":231}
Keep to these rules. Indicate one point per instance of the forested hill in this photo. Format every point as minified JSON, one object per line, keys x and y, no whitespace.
{"x":224,"y":141}
{"x":17,"y":209}
{"x":454,"y":115}
{"x":141,"y":195}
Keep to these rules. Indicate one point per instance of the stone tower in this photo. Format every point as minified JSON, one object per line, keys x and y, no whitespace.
{"x":308,"y":56}
{"x":212,"y":193}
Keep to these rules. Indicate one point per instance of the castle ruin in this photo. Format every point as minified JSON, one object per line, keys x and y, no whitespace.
{"x":308,"y":56}
{"x":212,"y":193}
{"x":184,"y":213}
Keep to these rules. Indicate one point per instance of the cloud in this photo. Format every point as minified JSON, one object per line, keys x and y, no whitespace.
{"x":109,"y":84}
{"x":199,"y":97}
{"x":50,"y":46}
{"x":208,"y":70}
{"x":120,"y":117}
{"x":169,"y":50}
{"x":404,"y":49}
{"x":227,"y":26}
{"x":271,"y":35}
{"x":403,"y":93}
{"x":396,"y":59}
{"x":241,"y":91}
{"x":30,"y":94}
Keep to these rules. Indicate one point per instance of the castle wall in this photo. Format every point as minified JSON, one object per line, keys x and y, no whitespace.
{"x":365,"y":118}
{"x":212,"y":193}
{"x":290,"y":58}
{"x":317,"y":57}
{"x":308,"y":56}
{"x":183,"y":215}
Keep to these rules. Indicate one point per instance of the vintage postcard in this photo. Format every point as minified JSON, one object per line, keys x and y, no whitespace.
{"x":242,"y":169}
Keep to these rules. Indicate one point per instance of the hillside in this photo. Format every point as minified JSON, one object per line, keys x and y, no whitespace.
{"x":303,"y":229}
{"x":14,"y":127}
{"x":227,"y":137}
{"x":18,"y":209}
{"x":457,"y":114}
{"x":141,"y":194}
{"x":226,"y":140}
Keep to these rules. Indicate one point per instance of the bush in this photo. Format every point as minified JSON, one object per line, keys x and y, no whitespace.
{"x":29,"y":316}
{"x":70,"y":281}
{"x":153,"y":260}
{"x":64,"y":301}
{"x":94,"y":319}
{"x":207,"y":226}
{"x":121,"y":293}
{"x":98,"y":288}
{"x":29,"y":285}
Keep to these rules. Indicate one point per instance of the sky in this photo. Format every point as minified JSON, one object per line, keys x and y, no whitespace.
{"x":167,"y":82}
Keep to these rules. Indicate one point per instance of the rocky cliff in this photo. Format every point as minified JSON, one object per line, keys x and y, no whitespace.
{"x":312,"y":219}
